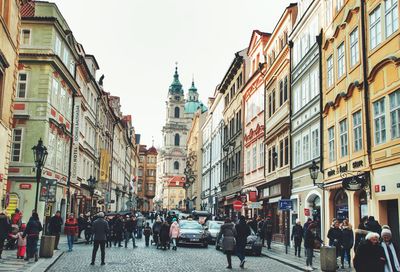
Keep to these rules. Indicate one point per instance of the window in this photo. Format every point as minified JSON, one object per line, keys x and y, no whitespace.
{"x":331,"y":143}
{"x":306,"y":148}
{"x":354,"y":53}
{"x":357,"y":130}
{"x":248,"y":161}
{"x":176,"y":165}
{"x":262,"y":158}
{"x":297,"y":152}
{"x":274,"y":157}
{"x":343,"y":138}
{"x":51,"y":147}
{"x":25,"y":37}
{"x":269,"y":161}
{"x":255,"y":157}
{"x":272,"y":103}
{"x":339,"y":4}
{"x":65,"y":57}
{"x":341,"y":60}
{"x":281,"y":93}
{"x":395,"y":114}
{"x":22,"y":85}
{"x":54,"y":92}
{"x":16,"y":145}
{"x":329,"y":68}
{"x":375,"y":27}
{"x":57,"y":46}
{"x":177,"y":139}
{"x":176,"y":114}
{"x":379,"y":121}
{"x":286,"y":151}
{"x":315,"y":143}
{"x":281,"y":150}
{"x":285,"y":89}
{"x":391,"y":17}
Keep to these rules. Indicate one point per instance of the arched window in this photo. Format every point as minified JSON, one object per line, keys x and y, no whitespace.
{"x":177,"y":139}
{"x":341,"y":205}
{"x":176,"y":115}
{"x":176,"y":165}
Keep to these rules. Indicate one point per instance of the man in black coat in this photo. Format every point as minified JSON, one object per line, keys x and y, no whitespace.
{"x":370,"y":256}
{"x":100,"y":230}
{"x":82,"y":222}
{"x":5,"y":229}
{"x":118,"y":230}
{"x":55,"y":227}
{"x":267,"y":231}
{"x":242,"y":231}
{"x":130,"y":226}
{"x":297,"y":236}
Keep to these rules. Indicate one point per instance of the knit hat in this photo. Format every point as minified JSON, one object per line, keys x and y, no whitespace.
{"x":386,"y":232}
{"x":173,"y":219}
{"x":100,"y":214}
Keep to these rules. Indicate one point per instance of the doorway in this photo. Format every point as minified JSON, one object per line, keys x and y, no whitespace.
{"x":393,"y":219}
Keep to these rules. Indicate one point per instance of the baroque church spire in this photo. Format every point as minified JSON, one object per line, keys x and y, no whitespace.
{"x":176,"y":86}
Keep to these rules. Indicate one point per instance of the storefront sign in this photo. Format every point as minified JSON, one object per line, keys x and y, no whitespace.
{"x":48,"y":190}
{"x":354,"y":183}
{"x":253,"y":196}
{"x":75,"y":141}
{"x":331,"y":172}
{"x":254,"y":205}
{"x":357,"y":164}
{"x":285,"y":204}
{"x":25,"y":186}
{"x":307,"y":212}
{"x":104,"y":165}
{"x":343,"y":168}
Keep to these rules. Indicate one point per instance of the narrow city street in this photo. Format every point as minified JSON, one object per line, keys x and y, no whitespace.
{"x":150,"y":259}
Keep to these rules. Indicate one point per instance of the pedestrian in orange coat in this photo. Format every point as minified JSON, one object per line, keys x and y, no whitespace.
{"x":71,"y":230}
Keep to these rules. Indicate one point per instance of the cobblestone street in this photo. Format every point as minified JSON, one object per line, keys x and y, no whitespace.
{"x":151,"y":259}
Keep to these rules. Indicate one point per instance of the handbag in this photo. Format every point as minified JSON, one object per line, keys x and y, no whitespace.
{"x":317,"y":244}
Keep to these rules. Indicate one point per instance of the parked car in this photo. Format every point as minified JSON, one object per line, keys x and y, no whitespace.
{"x":212,"y":229}
{"x":192,"y":233}
{"x":253,"y":245}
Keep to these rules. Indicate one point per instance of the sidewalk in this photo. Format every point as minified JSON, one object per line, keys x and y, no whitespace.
{"x":10,"y":263}
{"x":278,"y":253}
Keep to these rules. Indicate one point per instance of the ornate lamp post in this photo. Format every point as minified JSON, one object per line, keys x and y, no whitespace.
{"x":314,"y":171}
{"x":189,"y":178}
{"x":92,"y":186}
{"x":39,"y":155}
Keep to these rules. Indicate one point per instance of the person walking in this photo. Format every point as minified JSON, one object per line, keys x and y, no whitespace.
{"x":21,"y":242}
{"x":228,"y":235}
{"x":242,"y":232}
{"x":346,"y":243}
{"x":370,"y":256}
{"x":5,"y":229}
{"x":391,"y":252}
{"x":309,"y":243}
{"x":33,"y":228}
{"x":152,"y":217}
{"x":82,"y":221}
{"x":267,"y":231}
{"x":297,"y":237}
{"x":89,"y":231}
{"x":156,"y":231}
{"x":174,"y":231}
{"x":130,"y":226}
{"x":140,"y":225}
{"x":164,"y":235}
{"x":100,"y":229}
{"x":71,"y":230}
{"x":55,"y":227}
{"x":147,"y":233}
{"x":118,"y":228}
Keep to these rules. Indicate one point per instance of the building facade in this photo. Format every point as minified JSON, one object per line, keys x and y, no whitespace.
{"x":146,"y":183}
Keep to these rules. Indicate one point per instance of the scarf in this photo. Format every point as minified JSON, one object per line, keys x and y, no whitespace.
{"x":388,"y":265}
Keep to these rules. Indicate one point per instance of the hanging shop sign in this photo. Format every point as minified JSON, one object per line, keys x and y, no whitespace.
{"x":48,"y":190}
{"x":285,"y":204}
{"x":354,"y":183}
{"x":75,"y":141}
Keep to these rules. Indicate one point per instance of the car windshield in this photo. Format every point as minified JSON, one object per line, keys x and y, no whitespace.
{"x":192,"y":225}
{"x":215,"y":226}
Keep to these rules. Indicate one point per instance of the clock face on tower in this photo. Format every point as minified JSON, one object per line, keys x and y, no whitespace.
{"x":177,"y":98}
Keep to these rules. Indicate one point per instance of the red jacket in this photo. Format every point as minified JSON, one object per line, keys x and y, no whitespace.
{"x":71,"y":227}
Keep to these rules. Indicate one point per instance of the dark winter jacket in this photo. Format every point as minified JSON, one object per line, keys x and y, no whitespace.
{"x":335,"y":236}
{"x":164,"y":232}
{"x":369,"y":258}
{"x":157,"y":227}
{"x":5,"y":226}
{"x":100,"y":229}
{"x":297,"y":232}
{"x":118,"y":226}
{"x":33,"y":228}
{"x":373,"y":225}
{"x":242,"y":231}
{"x":147,"y":231}
{"x":309,"y":239}
{"x":82,"y":222}
{"x":347,"y":240}
{"x":55,"y":225}
{"x":361,"y":232}
{"x":130,"y":226}
{"x":228,"y":234}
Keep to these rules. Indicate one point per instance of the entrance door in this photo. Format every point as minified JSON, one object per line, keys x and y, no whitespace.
{"x":393,"y":219}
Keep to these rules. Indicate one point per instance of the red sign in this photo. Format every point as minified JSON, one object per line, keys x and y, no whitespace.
{"x":237,"y":205}
{"x":307,"y":212}
{"x":25,"y":186}
{"x":377,"y":188}
{"x":253,"y":196}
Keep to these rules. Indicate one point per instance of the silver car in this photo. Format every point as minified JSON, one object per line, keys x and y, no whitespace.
{"x":212,"y":229}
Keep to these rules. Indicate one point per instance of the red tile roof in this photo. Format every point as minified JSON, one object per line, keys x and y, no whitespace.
{"x":172,"y":182}
{"x":28,"y":9}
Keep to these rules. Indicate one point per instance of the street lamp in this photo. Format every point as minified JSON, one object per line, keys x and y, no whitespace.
{"x":117,"y":194}
{"x":314,"y":171}
{"x":39,"y":156}
{"x":92,"y":186}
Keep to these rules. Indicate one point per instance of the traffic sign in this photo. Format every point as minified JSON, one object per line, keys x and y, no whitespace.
{"x":254,"y":205}
{"x":237,"y":205}
{"x":285,"y":204}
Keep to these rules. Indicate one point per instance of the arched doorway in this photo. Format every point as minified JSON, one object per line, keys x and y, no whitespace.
{"x":314,"y":205}
{"x":341,"y":205}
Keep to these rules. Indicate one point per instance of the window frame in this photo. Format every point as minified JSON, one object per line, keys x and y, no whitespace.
{"x":354,"y":47}
{"x":375,"y":25}
{"x":341,"y":60}
{"x":394,"y":114}
{"x":25,"y":82}
{"x":22,"y":37}
{"x":381,"y":118}
{"x":357,"y":131}
{"x":331,"y":143}
{"x":344,"y":138}
{"x":391,"y":11}
{"x":20,"y":142}
{"x":329,"y":71}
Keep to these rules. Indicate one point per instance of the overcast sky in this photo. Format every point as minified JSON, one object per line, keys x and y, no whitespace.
{"x":137,"y":42}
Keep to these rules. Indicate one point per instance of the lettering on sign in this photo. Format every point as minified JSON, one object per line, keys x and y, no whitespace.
{"x":331,"y":172}
{"x":343,"y":168}
{"x":75,"y":141}
{"x":357,"y":164}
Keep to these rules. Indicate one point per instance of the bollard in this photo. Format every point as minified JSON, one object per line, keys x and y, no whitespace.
{"x":328,"y":258}
{"x":47,"y":246}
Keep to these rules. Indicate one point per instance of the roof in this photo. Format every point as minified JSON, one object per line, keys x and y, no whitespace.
{"x":28,"y":9}
{"x":176,"y":86}
{"x":180,"y":180}
{"x":193,"y":106}
{"x":152,"y":151}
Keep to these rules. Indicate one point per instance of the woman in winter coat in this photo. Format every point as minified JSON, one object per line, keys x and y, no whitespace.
{"x":5,"y":229}
{"x":309,"y":244}
{"x":370,"y":256}
{"x":392,"y":253}
{"x":33,"y":228}
{"x":156,"y":231}
{"x":297,"y":236}
{"x":174,"y":232}
{"x":228,"y":234}
{"x":346,"y":242}
{"x":164,"y":235}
